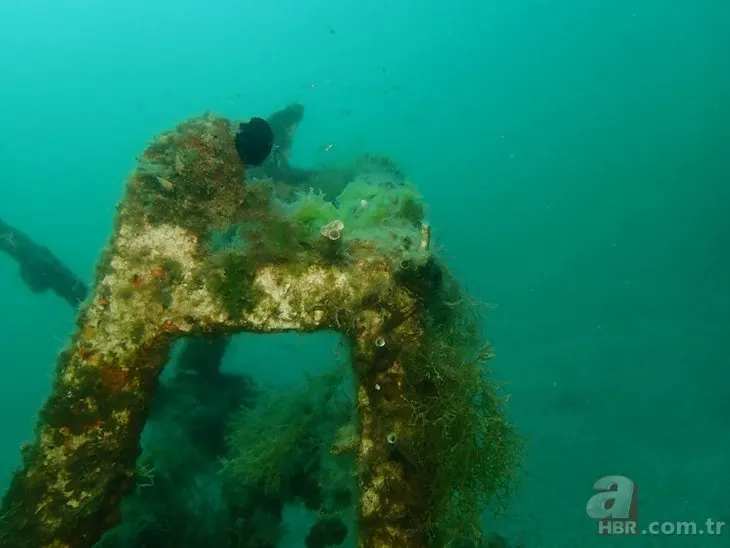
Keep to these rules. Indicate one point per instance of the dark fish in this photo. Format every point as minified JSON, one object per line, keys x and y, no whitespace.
{"x":254,"y":141}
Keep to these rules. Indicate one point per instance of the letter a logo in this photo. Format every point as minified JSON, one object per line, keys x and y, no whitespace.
{"x":615,"y":500}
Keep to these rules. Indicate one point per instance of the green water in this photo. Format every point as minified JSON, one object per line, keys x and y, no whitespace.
{"x":575,"y":157}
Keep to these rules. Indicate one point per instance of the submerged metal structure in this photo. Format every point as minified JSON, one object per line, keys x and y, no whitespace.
{"x":171,"y":269}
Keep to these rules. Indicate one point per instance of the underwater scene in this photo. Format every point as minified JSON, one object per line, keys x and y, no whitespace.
{"x":364,"y":274}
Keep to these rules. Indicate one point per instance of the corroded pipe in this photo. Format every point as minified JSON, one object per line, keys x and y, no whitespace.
{"x":159,"y":280}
